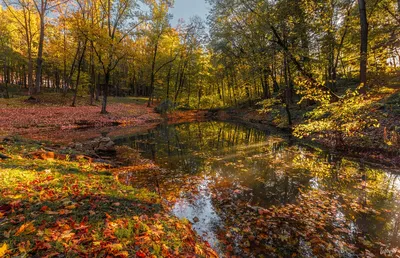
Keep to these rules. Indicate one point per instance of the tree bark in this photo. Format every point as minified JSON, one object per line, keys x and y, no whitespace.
{"x":39,"y":61}
{"x":79,"y":74}
{"x":364,"y":45}
{"x":152,"y":76}
{"x":299,"y":67}
{"x":105,"y":94}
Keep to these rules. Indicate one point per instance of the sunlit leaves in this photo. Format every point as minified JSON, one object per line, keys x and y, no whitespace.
{"x":3,"y":249}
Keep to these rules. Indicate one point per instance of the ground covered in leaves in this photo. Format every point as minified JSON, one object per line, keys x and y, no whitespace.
{"x":74,"y":208}
{"x":18,"y":116}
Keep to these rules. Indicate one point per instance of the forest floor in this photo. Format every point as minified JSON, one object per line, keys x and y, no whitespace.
{"x":74,"y":207}
{"x":52,"y":111}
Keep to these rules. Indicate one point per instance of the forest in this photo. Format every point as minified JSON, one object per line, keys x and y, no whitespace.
{"x":269,"y":128}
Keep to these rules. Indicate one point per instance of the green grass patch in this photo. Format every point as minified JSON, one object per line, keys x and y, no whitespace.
{"x":77,"y":208}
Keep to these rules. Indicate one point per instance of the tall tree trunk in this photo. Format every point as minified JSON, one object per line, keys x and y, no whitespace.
{"x":152,"y":76}
{"x":65,"y":87}
{"x":92,"y":77}
{"x":57,"y":79}
{"x":30,"y":74}
{"x":168,"y":81}
{"x":98,"y":88}
{"x":5,"y":80}
{"x":265,"y":84}
{"x":79,"y":74}
{"x":364,"y":45}
{"x":286,"y":95}
{"x":39,"y":62}
{"x":105,"y":93}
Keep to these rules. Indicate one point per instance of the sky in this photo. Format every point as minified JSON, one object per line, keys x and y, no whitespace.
{"x":188,"y":8}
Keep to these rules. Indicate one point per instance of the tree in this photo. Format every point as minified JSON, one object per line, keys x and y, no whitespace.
{"x":27,"y":25}
{"x":363,"y":45}
{"x":159,"y":22}
{"x":113,"y":22}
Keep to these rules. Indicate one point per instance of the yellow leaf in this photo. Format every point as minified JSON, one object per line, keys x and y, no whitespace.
{"x":3,"y":250}
{"x":71,"y":207}
{"x":26,"y":228}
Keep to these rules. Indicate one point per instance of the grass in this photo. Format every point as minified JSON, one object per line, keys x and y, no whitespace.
{"x":77,"y":208}
{"x":129,"y":100}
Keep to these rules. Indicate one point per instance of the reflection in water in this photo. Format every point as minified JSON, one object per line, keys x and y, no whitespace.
{"x":216,"y":171}
{"x":200,"y":211}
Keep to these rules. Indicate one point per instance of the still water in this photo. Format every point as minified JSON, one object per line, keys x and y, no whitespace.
{"x":223,"y":177}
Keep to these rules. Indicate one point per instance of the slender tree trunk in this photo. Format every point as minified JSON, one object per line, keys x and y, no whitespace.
{"x":5,"y":79}
{"x":57,"y":79}
{"x":181,"y":77}
{"x":105,"y":93}
{"x":286,"y":94}
{"x":98,"y":88}
{"x":92,"y":78}
{"x":39,"y":62}
{"x":364,"y":45}
{"x":264,"y":79}
{"x":168,"y":80}
{"x":79,"y":74}
{"x":189,"y":89}
{"x":65,"y":87}
{"x":152,"y":76}
{"x":30,"y":74}
{"x":199,"y":95}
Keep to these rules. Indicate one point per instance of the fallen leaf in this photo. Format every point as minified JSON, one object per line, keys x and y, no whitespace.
{"x":140,"y":254}
{"x":26,"y":228}
{"x":3,"y":250}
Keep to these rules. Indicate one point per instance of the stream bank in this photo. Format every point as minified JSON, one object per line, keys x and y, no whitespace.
{"x":375,"y":152}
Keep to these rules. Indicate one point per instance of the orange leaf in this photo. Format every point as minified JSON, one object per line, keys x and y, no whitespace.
{"x":26,"y":228}
{"x":140,"y":254}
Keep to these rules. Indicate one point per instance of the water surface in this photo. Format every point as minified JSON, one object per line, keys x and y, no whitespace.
{"x":221,"y":176}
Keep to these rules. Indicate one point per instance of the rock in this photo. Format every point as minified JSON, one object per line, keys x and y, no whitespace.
{"x":78,"y":146}
{"x":103,"y":145}
{"x":196,"y":219}
{"x":110,"y":145}
{"x":105,"y":139}
{"x":90,"y":146}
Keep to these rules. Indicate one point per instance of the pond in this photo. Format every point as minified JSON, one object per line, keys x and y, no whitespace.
{"x":257,"y":193}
